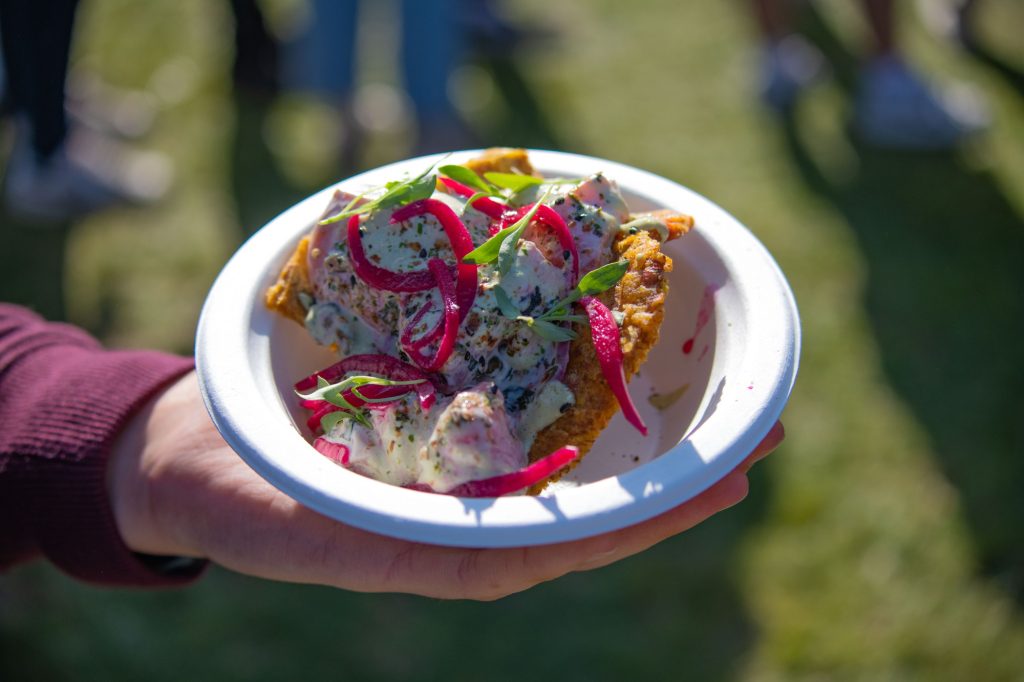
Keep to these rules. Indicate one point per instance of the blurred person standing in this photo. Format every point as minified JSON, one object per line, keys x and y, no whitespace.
{"x":895,"y":107}
{"x":56,"y":173}
{"x":432,"y":43}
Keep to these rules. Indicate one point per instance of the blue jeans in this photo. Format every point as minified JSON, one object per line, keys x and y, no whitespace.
{"x":324,"y":59}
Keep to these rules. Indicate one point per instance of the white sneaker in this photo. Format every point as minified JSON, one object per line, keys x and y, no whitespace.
{"x":83,"y":176}
{"x":787,"y":68}
{"x":896,"y":109}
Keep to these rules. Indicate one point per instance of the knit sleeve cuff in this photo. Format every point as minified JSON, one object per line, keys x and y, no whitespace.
{"x":59,"y":466}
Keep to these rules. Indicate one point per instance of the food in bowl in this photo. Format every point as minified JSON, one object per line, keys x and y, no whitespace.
{"x":486,"y":319}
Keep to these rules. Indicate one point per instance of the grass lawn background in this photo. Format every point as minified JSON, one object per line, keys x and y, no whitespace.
{"x":884,"y":540}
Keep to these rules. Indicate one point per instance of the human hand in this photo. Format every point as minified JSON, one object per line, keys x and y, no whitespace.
{"x":178,"y":489}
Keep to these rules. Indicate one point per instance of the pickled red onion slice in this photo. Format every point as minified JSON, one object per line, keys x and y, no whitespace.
{"x":418,"y":280}
{"x":487,"y":206}
{"x":451,"y":321}
{"x":458,"y":237}
{"x":550,"y":218}
{"x":336,"y":452}
{"x":531,"y":474}
{"x":378,"y":364}
{"x":376,"y":396}
{"x":319,"y":412}
{"x":379,"y":398}
{"x":605,"y":335}
{"x":434,"y":334}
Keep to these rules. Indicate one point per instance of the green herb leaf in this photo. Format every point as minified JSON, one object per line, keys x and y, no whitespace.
{"x":505,"y":304}
{"x":560,"y":310}
{"x":601,"y":279}
{"x":338,"y":400}
{"x":592,"y":284}
{"x":551,"y":331}
{"x":397,"y":193}
{"x":348,"y":207}
{"x":488,"y":251}
{"x":507,"y":250}
{"x":466,"y":177}
{"x":359,"y":394}
{"x":421,"y":189}
{"x":479,"y":195}
{"x":512,"y":181}
{"x":332,"y":393}
{"x":524,"y":196}
{"x":332,"y":419}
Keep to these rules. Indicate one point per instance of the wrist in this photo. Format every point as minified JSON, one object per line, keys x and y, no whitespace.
{"x":134,"y":469}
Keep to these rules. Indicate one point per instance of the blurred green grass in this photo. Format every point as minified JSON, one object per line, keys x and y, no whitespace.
{"x":882,"y":541}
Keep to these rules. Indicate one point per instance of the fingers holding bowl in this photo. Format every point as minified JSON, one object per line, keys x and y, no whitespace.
{"x":488,"y":574}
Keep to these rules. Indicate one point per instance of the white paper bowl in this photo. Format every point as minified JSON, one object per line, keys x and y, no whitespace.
{"x":726,"y":294}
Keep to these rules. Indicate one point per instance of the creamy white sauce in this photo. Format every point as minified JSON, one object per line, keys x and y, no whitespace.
{"x":593,"y":211}
{"x":501,"y":374}
{"x":330,"y":324}
{"x":554,"y":399}
{"x":466,"y":437}
{"x":646,"y":222}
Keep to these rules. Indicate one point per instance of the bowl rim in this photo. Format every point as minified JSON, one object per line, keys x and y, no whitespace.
{"x":232,"y":349}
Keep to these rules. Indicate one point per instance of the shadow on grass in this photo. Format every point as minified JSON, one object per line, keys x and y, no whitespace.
{"x":945,"y":247}
{"x":524,"y":121}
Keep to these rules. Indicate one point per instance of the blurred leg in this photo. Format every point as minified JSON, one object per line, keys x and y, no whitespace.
{"x":431,"y":49}
{"x":965,"y":22}
{"x":789,"y":64}
{"x":323,"y":58}
{"x":774,"y":18}
{"x":322,"y":61}
{"x":52,"y":176}
{"x":433,"y":45}
{"x":879,"y":14}
{"x":36,"y":44}
{"x":256,"y":54}
{"x":896,"y":107}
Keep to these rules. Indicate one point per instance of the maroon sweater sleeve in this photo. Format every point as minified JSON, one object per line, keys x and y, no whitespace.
{"x":63,"y":401}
